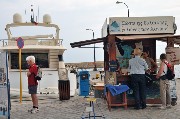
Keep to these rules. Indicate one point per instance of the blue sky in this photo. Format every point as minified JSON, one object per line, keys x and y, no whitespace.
{"x":75,"y":16}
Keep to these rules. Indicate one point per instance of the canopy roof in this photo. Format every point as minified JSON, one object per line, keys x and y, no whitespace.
{"x":162,"y":37}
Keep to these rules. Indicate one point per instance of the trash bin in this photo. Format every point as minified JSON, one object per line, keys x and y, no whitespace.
{"x":64,"y":89}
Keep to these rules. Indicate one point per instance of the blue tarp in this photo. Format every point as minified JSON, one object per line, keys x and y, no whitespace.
{"x":117,"y":89}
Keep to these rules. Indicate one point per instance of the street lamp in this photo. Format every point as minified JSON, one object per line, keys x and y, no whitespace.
{"x":125,"y":4}
{"x":95,"y":68}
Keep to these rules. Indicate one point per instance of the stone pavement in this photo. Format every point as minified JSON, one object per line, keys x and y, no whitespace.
{"x":51,"y":108}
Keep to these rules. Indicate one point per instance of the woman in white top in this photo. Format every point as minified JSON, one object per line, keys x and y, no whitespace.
{"x":164,"y":83}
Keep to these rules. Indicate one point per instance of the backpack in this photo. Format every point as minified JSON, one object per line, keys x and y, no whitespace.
{"x":39,"y":74}
{"x":170,"y":73}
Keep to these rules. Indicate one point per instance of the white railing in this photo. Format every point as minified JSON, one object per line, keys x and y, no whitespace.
{"x":46,"y":42}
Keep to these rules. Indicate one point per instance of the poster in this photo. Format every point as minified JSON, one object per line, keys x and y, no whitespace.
{"x":3,"y":60}
{"x":2,"y":77}
{"x":3,"y":100}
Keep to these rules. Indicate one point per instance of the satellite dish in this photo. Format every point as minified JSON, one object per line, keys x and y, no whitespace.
{"x":17,"y":18}
{"x":47,"y":18}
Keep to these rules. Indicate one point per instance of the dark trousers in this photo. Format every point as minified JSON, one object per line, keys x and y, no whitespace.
{"x":139,"y":89}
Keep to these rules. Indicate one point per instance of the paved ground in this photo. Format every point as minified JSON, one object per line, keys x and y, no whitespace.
{"x":51,"y":108}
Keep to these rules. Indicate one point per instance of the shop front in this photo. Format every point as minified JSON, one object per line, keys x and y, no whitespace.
{"x":122,"y":35}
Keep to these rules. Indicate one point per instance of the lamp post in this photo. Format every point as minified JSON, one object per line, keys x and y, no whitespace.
{"x":124,"y":4}
{"x":95,"y":68}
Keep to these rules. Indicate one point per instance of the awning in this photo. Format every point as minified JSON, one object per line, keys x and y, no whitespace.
{"x":87,"y":42}
{"x":158,"y":37}
{"x":162,"y":37}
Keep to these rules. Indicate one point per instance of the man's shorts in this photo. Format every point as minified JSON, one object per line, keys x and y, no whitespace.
{"x":32,"y":89}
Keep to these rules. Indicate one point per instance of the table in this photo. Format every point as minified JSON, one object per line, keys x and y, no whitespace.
{"x":110,"y":97}
{"x":98,"y":91}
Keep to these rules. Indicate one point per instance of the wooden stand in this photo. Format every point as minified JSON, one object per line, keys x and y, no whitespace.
{"x":111,"y":102}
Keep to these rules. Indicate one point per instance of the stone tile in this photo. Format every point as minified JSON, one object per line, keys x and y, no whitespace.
{"x":52,"y":108}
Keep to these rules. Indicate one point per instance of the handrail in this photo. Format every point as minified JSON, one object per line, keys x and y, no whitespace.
{"x":57,"y":42}
{"x":31,"y":24}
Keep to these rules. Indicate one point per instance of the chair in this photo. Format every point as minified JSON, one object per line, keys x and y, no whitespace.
{"x":90,"y":109}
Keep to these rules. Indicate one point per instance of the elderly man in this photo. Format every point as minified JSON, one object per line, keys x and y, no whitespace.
{"x":32,"y":83}
{"x":137,"y":68}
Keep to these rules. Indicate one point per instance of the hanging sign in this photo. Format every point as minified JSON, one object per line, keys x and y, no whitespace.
{"x":173,"y":55}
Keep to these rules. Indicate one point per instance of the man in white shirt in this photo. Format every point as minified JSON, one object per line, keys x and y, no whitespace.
{"x":137,"y":68}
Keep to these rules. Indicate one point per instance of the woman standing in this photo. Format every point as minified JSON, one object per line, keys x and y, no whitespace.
{"x":164,"y":83}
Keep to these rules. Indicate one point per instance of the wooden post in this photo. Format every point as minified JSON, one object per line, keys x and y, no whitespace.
{"x":110,"y":77}
{"x":170,"y":43}
{"x":112,"y":47}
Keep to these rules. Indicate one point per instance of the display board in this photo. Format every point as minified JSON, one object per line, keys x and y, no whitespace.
{"x":4,"y":87}
{"x":124,"y":52}
{"x":3,"y":100}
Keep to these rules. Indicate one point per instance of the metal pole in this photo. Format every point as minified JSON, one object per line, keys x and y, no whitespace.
{"x":124,"y":4}
{"x":128,"y":12}
{"x":20,"y":75}
{"x":127,"y":8}
{"x":95,"y":69}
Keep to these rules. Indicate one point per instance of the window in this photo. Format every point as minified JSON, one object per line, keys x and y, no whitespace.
{"x":41,"y":60}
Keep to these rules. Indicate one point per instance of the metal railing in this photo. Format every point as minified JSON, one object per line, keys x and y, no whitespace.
{"x":45,"y":42}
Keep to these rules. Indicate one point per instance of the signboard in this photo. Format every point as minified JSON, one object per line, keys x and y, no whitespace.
{"x":3,"y":101}
{"x":112,"y":66}
{"x":20,"y":43}
{"x":141,"y":25}
{"x":173,"y":55}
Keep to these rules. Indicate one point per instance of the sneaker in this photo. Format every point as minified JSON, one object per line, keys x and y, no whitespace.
{"x":137,"y":108}
{"x":34,"y":110}
{"x":143,"y":107}
{"x":162,"y":107}
{"x":168,"y":106}
{"x":29,"y":110}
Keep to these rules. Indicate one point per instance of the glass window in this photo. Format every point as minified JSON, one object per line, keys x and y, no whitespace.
{"x":41,"y":60}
